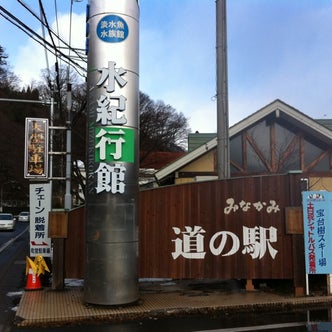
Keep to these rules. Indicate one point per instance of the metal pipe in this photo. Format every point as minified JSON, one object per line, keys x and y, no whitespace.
{"x":68,"y":197}
{"x":29,"y":101}
{"x":50,"y":173}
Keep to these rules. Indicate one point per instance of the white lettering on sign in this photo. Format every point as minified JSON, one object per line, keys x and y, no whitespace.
{"x":111,"y":75}
{"x":192,"y":243}
{"x":244,"y":206}
{"x":104,"y":140}
{"x":110,"y":177}
{"x":107,"y":113}
{"x":256,"y":242}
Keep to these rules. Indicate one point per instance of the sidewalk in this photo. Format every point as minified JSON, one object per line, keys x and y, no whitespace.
{"x":157,"y":299}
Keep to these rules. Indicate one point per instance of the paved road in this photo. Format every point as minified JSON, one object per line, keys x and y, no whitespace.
{"x":14,"y":247}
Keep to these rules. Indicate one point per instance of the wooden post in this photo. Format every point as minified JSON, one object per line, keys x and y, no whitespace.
{"x":249,"y":285}
{"x":58,"y":264}
{"x":58,"y":231}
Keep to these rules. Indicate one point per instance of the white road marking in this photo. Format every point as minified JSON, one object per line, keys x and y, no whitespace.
{"x":5,"y":245}
{"x":256,"y":328}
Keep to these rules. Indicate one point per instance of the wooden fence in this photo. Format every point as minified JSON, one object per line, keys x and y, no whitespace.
{"x":221,"y":229}
{"x":235,"y":228}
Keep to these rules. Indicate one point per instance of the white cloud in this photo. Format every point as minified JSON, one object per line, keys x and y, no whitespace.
{"x":276,"y":49}
{"x":30,"y":58}
{"x":28,"y":62}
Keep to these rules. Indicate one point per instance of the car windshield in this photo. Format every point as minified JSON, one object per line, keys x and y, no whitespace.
{"x":5,"y":216}
{"x":24,"y":213}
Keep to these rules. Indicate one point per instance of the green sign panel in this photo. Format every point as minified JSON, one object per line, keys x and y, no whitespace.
{"x":114,"y":144}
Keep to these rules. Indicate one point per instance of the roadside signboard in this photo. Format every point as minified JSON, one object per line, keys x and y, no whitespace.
{"x":317,"y":212}
{"x":36,"y":148}
{"x":40,"y":206}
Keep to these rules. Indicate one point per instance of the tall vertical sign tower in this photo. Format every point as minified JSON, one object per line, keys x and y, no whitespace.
{"x":112,"y":158}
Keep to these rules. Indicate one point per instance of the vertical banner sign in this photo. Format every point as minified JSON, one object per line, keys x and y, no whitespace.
{"x":317,"y":213}
{"x":40,"y":206}
{"x":112,"y":159}
{"x":319,"y":327}
{"x":36,"y":148}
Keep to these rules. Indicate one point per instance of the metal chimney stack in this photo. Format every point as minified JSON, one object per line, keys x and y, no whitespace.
{"x":112,"y":160}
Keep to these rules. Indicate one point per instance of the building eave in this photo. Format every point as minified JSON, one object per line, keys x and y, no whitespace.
{"x":278,"y":107}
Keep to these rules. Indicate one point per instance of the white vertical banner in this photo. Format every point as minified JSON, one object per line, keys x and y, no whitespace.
{"x":40,"y":206}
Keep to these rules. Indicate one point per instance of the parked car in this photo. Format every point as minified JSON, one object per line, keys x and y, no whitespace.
{"x":7,"y":221}
{"x":24,"y":216}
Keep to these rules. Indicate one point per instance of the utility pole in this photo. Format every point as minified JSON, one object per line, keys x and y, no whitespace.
{"x":59,"y":243}
{"x":223,"y":153}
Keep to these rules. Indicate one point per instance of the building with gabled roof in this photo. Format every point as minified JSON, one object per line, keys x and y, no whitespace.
{"x":276,"y":139}
{"x":152,"y":163}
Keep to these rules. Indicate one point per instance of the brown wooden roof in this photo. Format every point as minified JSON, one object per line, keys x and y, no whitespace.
{"x":157,"y":160}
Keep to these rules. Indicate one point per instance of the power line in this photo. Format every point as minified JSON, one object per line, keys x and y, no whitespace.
{"x":51,"y":32}
{"x":56,"y":53}
{"x":56,"y":19}
{"x":42,"y":41}
{"x":46,"y":54}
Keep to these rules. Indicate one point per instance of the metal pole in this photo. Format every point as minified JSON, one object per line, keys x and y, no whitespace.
{"x":223,"y":154}
{"x":1,"y":210}
{"x":50,"y":173}
{"x":112,"y":161}
{"x":68,"y":200}
{"x":68,"y":197}
{"x":27,"y":101}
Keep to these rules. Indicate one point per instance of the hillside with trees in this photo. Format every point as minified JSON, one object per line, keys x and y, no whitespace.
{"x":13,"y":185}
{"x":162,"y":128}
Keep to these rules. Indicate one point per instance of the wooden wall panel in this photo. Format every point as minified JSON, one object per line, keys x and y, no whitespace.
{"x":203,"y":205}
{"x":167,"y":212}
{"x":75,"y":244}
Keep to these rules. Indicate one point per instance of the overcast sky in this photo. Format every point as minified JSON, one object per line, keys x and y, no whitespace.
{"x":276,"y":49}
